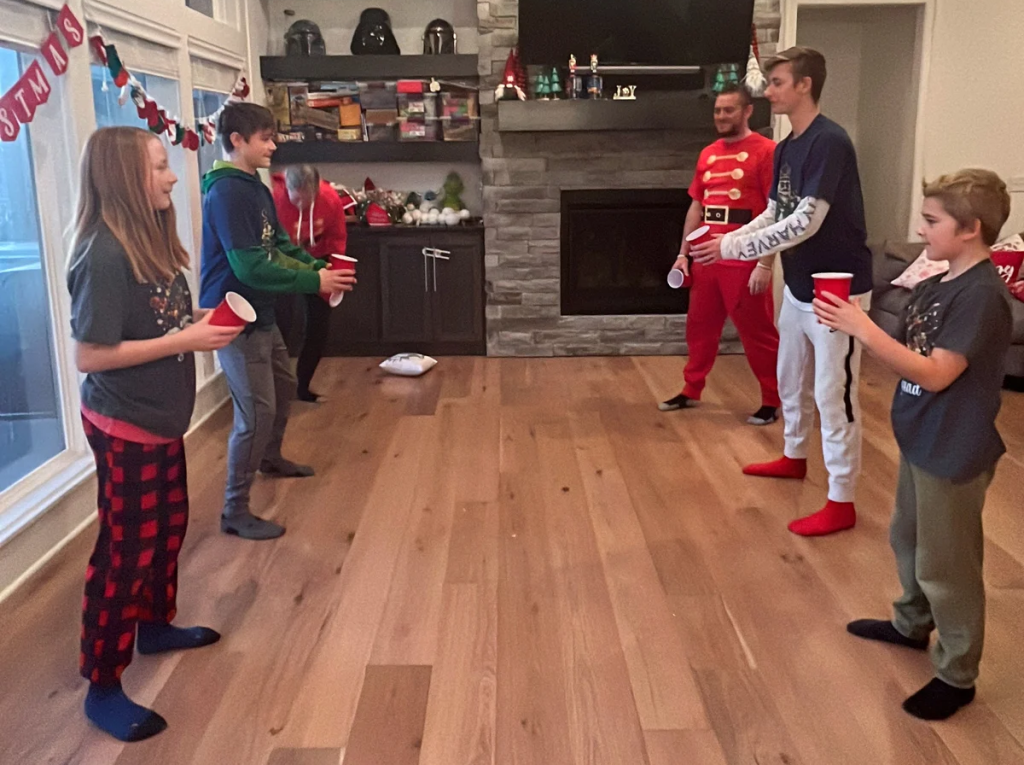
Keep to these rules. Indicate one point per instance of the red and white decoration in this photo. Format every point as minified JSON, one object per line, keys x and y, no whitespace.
{"x":18,"y":105}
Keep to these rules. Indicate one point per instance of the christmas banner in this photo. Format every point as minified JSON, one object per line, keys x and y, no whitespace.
{"x":18,"y":105}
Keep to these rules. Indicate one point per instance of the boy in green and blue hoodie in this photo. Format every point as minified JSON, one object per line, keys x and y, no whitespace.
{"x":245,"y":250}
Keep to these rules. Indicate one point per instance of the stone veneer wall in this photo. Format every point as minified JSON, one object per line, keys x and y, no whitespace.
{"x":523,"y":176}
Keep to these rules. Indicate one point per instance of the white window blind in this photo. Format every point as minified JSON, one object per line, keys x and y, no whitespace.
{"x":209,"y":75}
{"x":139,"y":55}
{"x":23,"y":24}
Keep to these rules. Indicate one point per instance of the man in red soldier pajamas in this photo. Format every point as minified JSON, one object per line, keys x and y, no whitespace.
{"x":730,"y":188}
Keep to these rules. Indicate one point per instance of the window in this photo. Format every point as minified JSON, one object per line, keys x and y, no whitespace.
{"x":205,"y":7}
{"x":205,"y":103}
{"x":110,"y":113}
{"x":31,"y":428}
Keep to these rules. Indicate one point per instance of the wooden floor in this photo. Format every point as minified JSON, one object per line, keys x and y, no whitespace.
{"x":523,"y":561}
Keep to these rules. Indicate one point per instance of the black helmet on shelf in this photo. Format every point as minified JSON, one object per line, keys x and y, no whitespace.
{"x":374,"y":35}
{"x":303,"y":38}
{"x":439,"y":38}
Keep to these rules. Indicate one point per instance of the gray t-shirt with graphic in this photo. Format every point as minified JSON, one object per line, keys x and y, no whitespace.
{"x":952,"y":434}
{"x":109,"y":306}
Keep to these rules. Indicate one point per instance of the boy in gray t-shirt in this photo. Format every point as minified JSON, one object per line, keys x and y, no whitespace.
{"x":957,"y":333}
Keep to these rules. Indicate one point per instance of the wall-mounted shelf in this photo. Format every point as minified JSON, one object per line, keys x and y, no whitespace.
{"x":291,"y":68}
{"x":690,"y":111}
{"x":291,"y":153}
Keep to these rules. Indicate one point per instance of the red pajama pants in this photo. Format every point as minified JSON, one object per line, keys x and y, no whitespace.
{"x":133,"y":572}
{"x":721,"y":291}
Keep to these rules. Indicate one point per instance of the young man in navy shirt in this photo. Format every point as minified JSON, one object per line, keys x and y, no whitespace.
{"x":815,"y":218}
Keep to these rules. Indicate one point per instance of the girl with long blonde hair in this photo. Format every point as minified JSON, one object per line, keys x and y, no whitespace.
{"x":135,"y":335}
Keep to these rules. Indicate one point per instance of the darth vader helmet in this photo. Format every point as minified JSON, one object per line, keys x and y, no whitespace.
{"x":374,"y":35}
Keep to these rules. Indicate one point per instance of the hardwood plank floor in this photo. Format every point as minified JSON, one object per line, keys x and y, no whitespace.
{"x":523,"y":562}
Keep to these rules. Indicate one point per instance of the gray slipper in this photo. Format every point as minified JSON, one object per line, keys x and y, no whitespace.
{"x":248,"y":526}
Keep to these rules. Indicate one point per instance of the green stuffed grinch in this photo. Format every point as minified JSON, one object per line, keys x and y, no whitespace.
{"x":453,"y":186}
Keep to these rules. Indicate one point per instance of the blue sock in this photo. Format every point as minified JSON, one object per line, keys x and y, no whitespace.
{"x":157,"y":637}
{"x":110,"y":710}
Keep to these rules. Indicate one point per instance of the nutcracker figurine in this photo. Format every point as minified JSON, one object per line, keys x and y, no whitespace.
{"x":575,"y":82}
{"x":595,"y":83}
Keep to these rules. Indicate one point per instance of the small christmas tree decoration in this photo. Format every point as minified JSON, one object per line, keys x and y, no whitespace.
{"x":725,"y":75}
{"x":542,"y":87}
{"x":555,"y":83}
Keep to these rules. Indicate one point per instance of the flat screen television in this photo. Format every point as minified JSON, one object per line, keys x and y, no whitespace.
{"x":644,"y":32}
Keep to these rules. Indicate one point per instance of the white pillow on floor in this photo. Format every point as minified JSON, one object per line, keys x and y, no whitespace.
{"x":408,"y":364}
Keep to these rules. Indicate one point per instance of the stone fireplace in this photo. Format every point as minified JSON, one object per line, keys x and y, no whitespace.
{"x":523,"y":191}
{"x":525,"y":175}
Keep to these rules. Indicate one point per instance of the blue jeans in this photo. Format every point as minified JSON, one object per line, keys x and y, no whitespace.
{"x":262,"y":385}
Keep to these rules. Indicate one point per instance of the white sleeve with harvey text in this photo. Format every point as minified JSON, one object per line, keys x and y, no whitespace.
{"x":760,"y":237}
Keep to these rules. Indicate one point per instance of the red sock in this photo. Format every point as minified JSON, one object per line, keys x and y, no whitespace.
{"x":834,"y":516}
{"x":780,"y":468}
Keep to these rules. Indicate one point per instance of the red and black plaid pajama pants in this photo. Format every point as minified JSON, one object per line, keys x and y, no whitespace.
{"x":133,"y":572}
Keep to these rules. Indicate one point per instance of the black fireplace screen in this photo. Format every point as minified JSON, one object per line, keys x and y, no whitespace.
{"x":617,"y":247}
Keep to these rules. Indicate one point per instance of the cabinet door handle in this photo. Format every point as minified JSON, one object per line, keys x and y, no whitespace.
{"x":435,"y":257}
{"x":426,"y":254}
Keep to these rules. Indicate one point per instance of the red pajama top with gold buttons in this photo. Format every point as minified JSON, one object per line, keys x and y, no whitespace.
{"x":733,"y":176}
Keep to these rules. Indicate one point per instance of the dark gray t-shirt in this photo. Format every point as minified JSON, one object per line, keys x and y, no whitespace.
{"x":952,"y":434}
{"x":109,"y":306}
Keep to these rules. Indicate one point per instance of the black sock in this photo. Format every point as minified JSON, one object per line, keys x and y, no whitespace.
{"x":878,"y":629}
{"x":157,"y":637}
{"x":938,"y":700}
{"x":110,"y":710}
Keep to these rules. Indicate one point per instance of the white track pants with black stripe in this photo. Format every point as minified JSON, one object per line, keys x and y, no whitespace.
{"x":821,"y":368}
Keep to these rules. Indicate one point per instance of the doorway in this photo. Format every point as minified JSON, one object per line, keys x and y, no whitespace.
{"x":874,"y":71}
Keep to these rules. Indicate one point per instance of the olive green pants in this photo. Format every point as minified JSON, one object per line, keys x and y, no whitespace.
{"x":937,"y":537}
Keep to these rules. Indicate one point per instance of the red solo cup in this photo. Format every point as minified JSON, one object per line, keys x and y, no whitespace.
{"x":233,"y":311}
{"x":677,"y":278}
{"x":837,"y":283}
{"x":343,"y":262}
{"x":339,"y":263}
{"x":699,"y":236}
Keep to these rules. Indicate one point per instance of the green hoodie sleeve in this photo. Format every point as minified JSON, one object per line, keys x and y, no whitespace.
{"x":287,"y":247}
{"x":280,"y":274}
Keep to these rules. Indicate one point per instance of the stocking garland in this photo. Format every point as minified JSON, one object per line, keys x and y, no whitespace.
{"x":18,"y":105}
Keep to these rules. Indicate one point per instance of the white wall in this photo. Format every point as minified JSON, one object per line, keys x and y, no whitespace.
{"x":840,"y":35}
{"x":887,"y":117}
{"x":973,"y":90}
{"x":974,"y":107}
{"x":871,"y":91}
{"x":337,"y":20}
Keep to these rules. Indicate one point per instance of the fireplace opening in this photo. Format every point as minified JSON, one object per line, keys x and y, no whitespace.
{"x":617,"y":247}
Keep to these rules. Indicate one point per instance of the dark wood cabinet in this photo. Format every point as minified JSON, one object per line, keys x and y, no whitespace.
{"x":407,"y":300}
{"x":405,"y":289}
{"x":457,"y":277}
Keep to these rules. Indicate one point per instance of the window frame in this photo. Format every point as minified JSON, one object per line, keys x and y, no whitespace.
{"x":26,"y":499}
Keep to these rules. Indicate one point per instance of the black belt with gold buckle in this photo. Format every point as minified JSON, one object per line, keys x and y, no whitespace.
{"x":725,"y":215}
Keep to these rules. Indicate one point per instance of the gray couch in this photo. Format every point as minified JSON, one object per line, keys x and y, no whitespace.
{"x":891,"y":259}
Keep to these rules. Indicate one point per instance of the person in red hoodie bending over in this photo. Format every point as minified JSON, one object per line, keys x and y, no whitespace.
{"x":311,"y":211}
